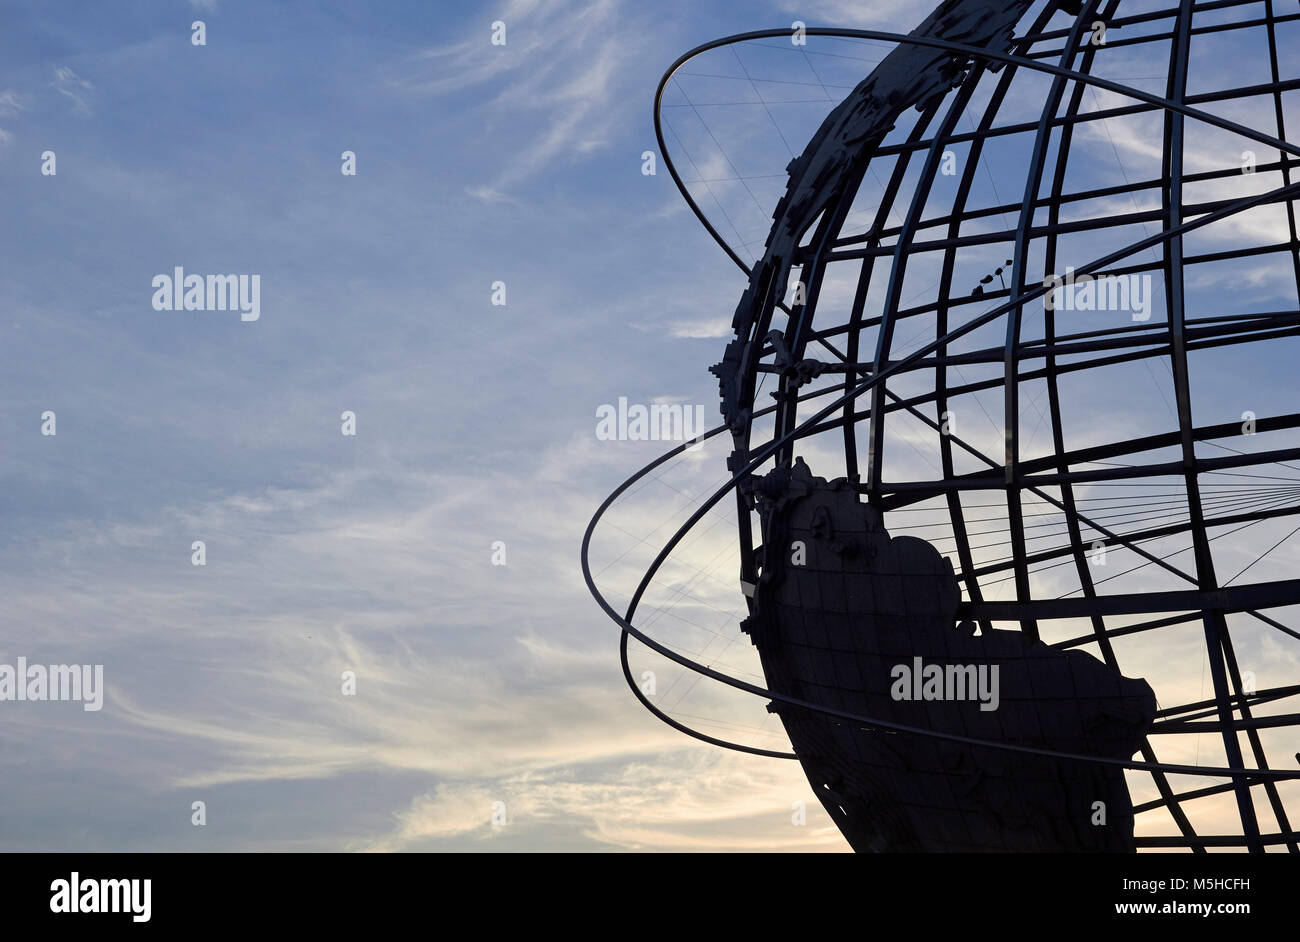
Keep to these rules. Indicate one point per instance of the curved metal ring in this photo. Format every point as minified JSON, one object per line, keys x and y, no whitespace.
{"x":625,"y":621}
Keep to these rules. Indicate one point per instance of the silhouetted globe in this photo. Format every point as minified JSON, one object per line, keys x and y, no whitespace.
{"x":1011,"y":387}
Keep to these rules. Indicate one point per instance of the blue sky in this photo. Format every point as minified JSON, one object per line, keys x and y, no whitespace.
{"x":325,"y":553}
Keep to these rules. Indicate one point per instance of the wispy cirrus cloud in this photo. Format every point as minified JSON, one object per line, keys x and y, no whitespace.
{"x":557,"y":70}
{"x":482,"y":700}
{"x":71,"y":85}
{"x":10,"y":104}
{"x":683,"y":800}
{"x":900,"y":15}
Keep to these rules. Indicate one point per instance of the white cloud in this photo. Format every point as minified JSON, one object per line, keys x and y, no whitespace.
{"x":557,"y":68}
{"x":494,"y":680}
{"x":10,"y":104}
{"x":684,"y":800}
{"x":708,"y":327}
{"x":77,"y":89}
{"x":891,"y":15}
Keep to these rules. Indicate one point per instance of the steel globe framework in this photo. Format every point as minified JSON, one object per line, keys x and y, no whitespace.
{"x":865,"y":368}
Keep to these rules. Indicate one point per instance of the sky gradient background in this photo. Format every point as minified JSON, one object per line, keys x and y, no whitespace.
{"x":325,"y":553}
{"x":476,"y":683}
